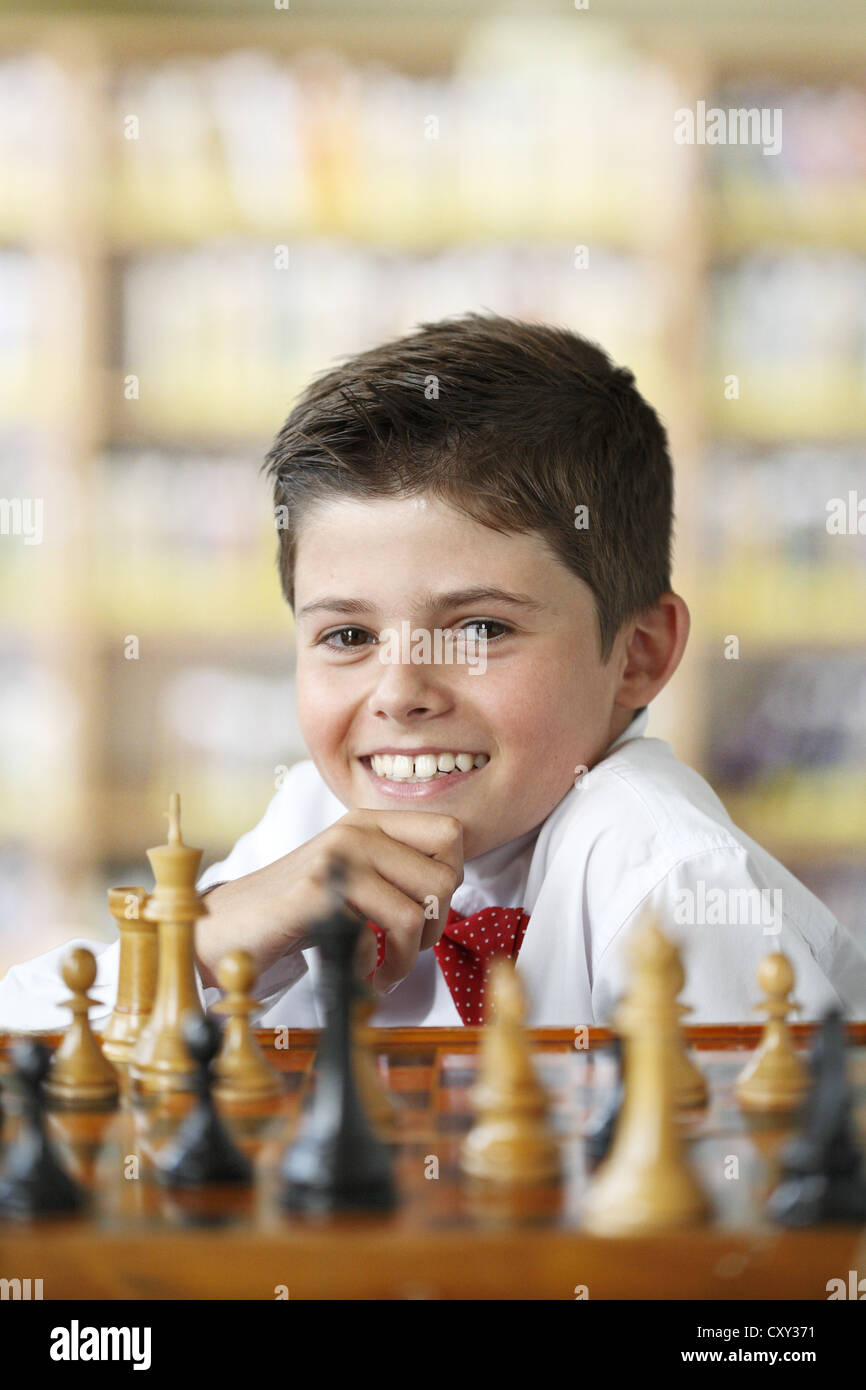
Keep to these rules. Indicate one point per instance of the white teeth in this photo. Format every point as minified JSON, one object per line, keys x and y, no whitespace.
{"x":425,"y":766}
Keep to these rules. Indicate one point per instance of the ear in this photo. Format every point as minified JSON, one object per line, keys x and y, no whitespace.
{"x":653,"y":644}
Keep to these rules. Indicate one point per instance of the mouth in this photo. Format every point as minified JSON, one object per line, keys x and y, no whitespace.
{"x":393,"y":771}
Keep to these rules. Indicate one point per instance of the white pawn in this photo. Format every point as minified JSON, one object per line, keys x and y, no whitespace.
{"x":511,"y":1142}
{"x":242,"y":1070}
{"x":80,"y":1078}
{"x":775,"y":1079}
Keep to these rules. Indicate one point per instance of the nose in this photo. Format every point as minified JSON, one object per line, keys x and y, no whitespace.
{"x":407,"y":689}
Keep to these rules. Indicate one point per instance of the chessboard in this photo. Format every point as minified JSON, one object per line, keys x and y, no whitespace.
{"x":448,"y":1236}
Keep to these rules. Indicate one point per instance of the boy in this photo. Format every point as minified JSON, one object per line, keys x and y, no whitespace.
{"x":498,"y":495}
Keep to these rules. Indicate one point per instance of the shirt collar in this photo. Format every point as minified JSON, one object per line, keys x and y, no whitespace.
{"x":497,"y":876}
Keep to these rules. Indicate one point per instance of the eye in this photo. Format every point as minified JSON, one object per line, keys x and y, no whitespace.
{"x":351,"y":636}
{"x":487,"y":623}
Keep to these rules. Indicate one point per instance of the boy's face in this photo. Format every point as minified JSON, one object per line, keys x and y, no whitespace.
{"x":543,"y":706}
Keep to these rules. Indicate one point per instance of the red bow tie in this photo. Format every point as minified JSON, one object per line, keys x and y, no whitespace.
{"x":466,"y":952}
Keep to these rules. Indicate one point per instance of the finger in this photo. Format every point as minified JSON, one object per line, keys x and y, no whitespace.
{"x":437,"y":836}
{"x":437,"y":883}
{"x":420,"y":877}
{"x":400,"y":917}
{"x":434,"y":924}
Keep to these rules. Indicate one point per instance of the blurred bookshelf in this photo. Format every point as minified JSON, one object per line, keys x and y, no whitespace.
{"x":298,"y":192}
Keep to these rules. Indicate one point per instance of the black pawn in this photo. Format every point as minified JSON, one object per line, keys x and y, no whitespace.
{"x":34,"y":1181}
{"x":822,"y":1173}
{"x":203,"y":1151}
{"x":337,"y":1163}
{"x":598,"y":1137}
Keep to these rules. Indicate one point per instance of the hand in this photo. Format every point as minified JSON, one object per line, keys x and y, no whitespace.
{"x":394,"y":860}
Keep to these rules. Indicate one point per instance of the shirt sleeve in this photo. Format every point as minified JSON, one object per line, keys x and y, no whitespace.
{"x":31,"y":993}
{"x":726,"y":918}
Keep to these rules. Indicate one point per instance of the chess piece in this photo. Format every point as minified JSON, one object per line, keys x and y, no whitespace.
{"x":646,"y":1183}
{"x":775,"y":1078}
{"x":338,"y":1162}
{"x":690,"y":1086}
{"x":203,"y":1151}
{"x":241,"y":1067}
{"x":136,"y":977}
{"x":160,"y":1061}
{"x":80,"y":1078}
{"x":598,"y":1137}
{"x":822,"y":1169}
{"x":34,"y":1181}
{"x":378,"y":1104}
{"x":511,"y":1141}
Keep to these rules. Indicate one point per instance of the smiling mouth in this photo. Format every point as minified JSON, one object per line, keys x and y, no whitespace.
{"x":424,"y":767}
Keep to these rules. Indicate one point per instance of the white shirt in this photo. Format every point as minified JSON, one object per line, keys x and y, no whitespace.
{"x":640,"y":834}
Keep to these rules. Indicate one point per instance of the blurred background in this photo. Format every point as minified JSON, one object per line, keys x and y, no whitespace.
{"x":202,"y":206}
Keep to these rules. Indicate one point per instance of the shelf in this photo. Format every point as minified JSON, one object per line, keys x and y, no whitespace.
{"x":747,"y":218}
{"x":185,"y":404}
{"x":750,"y":219}
{"x":785,"y":404}
{"x":774,"y":604}
{"x":217,"y":810}
{"x":818,"y":813}
{"x":797,"y":852}
{"x":438,"y":227}
{"x":223,"y":596}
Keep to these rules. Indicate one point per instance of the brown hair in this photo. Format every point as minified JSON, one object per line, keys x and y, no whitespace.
{"x":516,"y":424}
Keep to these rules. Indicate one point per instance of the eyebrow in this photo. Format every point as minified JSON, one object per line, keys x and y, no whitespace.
{"x":456,"y":598}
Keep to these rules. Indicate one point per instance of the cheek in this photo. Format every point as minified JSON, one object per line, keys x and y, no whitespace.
{"x":318,"y":711}
{"x":326,"y":709}
{"x":536,"y":703}
{"x":553,"y":723}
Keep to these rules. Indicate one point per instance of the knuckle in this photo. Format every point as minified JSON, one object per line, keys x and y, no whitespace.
{"x":344,"y":839}
{"x":448,"y":879}
{"x":452,"y":829}
{"x":317,"y":868}
{"x":411,"y":919}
